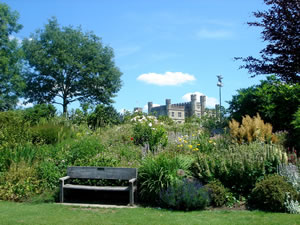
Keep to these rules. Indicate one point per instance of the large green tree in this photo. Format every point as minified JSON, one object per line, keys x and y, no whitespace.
{"x":70,"y":64}
{"x":281,"y":30}
{"x":11,"y":84}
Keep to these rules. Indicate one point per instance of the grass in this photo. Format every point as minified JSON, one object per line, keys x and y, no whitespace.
{"x":25,"y":213}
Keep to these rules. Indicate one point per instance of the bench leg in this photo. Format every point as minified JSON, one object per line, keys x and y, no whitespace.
{"x":61,"y":193}
{"x":131,"y":194}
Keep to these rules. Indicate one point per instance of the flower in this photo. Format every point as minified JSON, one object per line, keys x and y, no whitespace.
{"x":190,"y":146}
{"x":131,"y":138}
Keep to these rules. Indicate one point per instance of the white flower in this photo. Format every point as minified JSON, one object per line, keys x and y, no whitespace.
{"x":150,"y":124}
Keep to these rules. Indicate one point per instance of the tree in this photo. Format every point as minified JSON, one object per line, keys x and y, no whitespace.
{"x":69,"y":64}
{"x":281,"y":28}
{"x":103,"y":116}
{"x":275,"y":101}
{"x":11,"y":84}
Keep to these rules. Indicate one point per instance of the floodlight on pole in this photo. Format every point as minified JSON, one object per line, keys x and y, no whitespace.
{"x":220,"y":85}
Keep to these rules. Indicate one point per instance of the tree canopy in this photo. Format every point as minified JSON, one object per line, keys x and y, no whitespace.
{"x":11,"y":84}
{"x":281,"y":29}
{"x":70,"y":64}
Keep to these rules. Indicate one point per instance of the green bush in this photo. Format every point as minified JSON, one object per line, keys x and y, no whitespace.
{"x":186,"y":194}
{"x":217,"y":193}
{"x":148,"y":131}
{"x":13,"y":129}
{"x":240,"y":166}
{"x":269,"y":194}
{"x":19,"y":183}
{"x":38,"y":112}
{"x":50,"y":133}
{"x":159,"y":172}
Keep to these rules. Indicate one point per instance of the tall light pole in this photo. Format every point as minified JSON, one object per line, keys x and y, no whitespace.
{"x":220,"y":85}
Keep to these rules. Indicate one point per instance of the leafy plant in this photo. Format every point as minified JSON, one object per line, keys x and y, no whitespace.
{"x":239,"y":166}
{"x":186,"y":194}
{"x":159,"y":172}
{"x":269,"y":194}
{"x":217,"y":193}
{"x":19,"y":182}
{"x":146,"y":130}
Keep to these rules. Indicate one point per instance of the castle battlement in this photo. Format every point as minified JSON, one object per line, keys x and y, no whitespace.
{"x":179,"y":111}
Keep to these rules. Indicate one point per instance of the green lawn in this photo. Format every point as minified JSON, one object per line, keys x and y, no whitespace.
{"x":22,"y":213}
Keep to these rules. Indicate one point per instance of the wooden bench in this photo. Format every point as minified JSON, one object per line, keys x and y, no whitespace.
{"x":108,"y":173}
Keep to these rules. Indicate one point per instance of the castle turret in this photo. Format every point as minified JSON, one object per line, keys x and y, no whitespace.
{"x":193,"y":104}
{"x":202,"y":104}
{"x":150,"y":105}
{"x":168,"y":104}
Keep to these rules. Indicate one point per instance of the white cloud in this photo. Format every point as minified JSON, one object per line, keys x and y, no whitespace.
{"x":210,"y":101}
{"x":21,"y":104}
{"x":214,"y":34}
{"x":166,"y":79}
{"x":145,"y":108}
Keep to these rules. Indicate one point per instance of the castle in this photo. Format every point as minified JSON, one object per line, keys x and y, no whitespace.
{"x":178,"y":112}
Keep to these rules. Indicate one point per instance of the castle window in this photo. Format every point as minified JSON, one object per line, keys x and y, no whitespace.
{"x":179,"y":114}
{"x":173,"y":114}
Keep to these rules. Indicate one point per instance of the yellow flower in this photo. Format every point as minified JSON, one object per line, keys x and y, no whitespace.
{"x":190,"y":146}
{"x":196,"y":149}
{"x":210,"y":141}
{"x":198,"y":144}
{"x":185,"y":141}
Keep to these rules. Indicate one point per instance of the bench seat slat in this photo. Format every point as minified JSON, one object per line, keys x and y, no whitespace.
{"x":99,"y":188}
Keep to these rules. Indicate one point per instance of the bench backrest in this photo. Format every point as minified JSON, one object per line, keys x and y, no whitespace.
{"x":111,"y":173}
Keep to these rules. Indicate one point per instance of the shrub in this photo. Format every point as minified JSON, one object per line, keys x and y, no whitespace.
{"x":159,"y":172}
{"x":13,"y":130}
{"x":251,"y":129}
{"x":292,"y":206}
{"x":291,"y":174}
{"x":269,"y":194}
{"x":186,"y":195}
{"x":217,"y":193}
{"x":38,"y":112}
{"x":19,"y":183}
{"x":146,"y":130}
{"x":50,"y":133}
{"x":240,"y":166}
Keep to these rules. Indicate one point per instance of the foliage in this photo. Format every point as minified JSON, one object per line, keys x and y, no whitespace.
{"x":239,"y":166}
{"x":292,"y":206}
{"x":185,"y":195}
{"x":19,"y":182}
{"x":269,"y":194}
{"x":38,"y":112}
{"x":11,"y":83}
{"x":158,"y":172}
{"x":291,"y":174}
{"x":217,"y":193}
{"x":270,"y":99}
{"x":13,"y":129}
{"x":281,"y":30}
{"x":71,"y":65}
{"x":50,"y":133}
{"x":251,"y":129}
{"x":147,"y":131}
{"x":103,"y":116}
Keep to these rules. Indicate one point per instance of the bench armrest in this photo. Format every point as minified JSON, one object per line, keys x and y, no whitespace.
{"x":132,"y":180}
{"x":64,"y":178}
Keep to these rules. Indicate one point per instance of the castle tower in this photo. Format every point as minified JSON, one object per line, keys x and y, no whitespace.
{"x":193,"y":104}
{"x":202,"y":104}
{"x":150,"y":105}
{"x":168,"y":104}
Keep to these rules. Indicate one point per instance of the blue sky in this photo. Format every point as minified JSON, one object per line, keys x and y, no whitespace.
{"x":164,"y":48}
